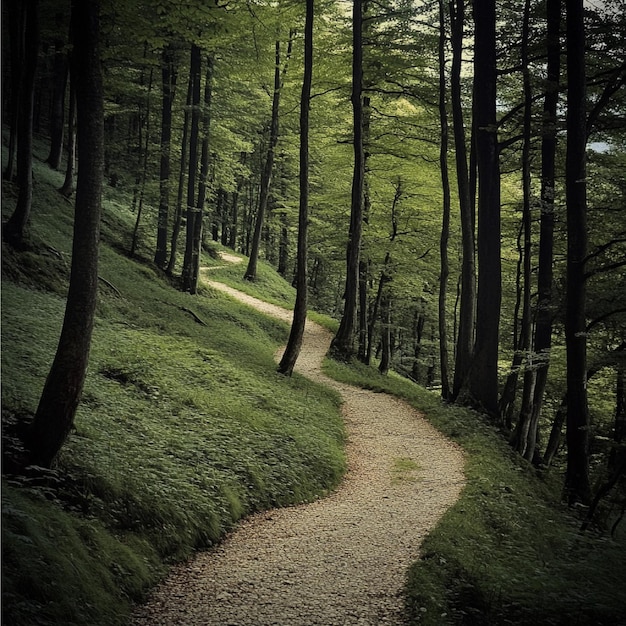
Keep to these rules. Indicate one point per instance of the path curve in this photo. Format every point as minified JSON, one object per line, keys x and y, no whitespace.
{"x":338,"y":561}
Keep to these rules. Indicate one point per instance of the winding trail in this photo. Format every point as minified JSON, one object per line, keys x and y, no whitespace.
{"x":338,"y":561}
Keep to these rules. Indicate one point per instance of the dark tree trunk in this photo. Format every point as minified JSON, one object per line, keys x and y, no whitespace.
{"x":178,"y":216}
{"x":15,"y":227}
{"x":523,"y":434}
{"x":544,"y":315}
{"x":16,"y":16}
{"x":202,"y":184}
{"x":384,"y":278}
{"x":342,"y":346}
{"x":444,"y":271}
{"x":57,"y":113}
{"x":385,"y":335}
{"x":577,"y":475}
{"x":483,"y":381}
{"x":194,"y":135}
{"x":68,"y":187}
{"x":143,"y":173}
{"x":465,"y":333}
{"x":61,"y":394}
{"x":294,"y":344}
{"x":266,"y":176}
{"x":168,"y":88}
{"x":362,"y":311}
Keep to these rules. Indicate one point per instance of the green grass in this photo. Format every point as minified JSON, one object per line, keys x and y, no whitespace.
{"x":508,"y":552}
{"x":182,"y":429}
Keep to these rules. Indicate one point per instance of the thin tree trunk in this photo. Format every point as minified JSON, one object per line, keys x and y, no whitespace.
{"x":444,"y":271}
{"x":195,"y":66}
{"x":385,"y":335}
{"x":294,"y":343}
{"x":577,"y":483}
{"x":68,"y":187}
{"x":266,"y":176}
{"x":483,"y":380}
{"x":168,"y":88}
{"x":204,"y":174}
{"x":465,"y":333}
{"x":59,"y":73}
{"x":342,"y":346}
{"x":14,"y":229}
{"x":544,"y":315}
{"x":144,"y":170}
{"x":61,"y":393}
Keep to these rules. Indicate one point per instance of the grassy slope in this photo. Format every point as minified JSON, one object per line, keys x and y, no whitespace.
{"x":506,"y":553}
{"x":182,"y":430}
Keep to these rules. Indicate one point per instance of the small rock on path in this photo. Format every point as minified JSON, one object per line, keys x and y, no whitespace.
{"x":341,"y":560}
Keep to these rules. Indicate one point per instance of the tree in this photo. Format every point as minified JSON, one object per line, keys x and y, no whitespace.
{"x":465,"y":337}
{"x":266,"y":176}
{"x":294,"y":344}
{"x":62,"y":390}
{"x":168,"y":88}
{"x":577,"y":484}
{"x":342,"y":345}
{"x":29,"y":34}
{"x":483,"y":380}
{"x":445,"y":225}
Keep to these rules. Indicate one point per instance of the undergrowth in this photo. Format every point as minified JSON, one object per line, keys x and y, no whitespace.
{"x":183,"y":428}
{"x":507,"y":552}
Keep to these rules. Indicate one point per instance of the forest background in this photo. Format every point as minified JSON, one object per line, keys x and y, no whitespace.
{"x":463,"y":173}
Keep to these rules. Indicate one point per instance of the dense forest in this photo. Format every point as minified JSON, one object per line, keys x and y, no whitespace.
{"x":445,"y":179}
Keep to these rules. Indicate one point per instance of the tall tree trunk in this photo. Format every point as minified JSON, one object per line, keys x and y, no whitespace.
{"x":523,"y":433}
{"x":465,"y":333}
{"x":444,"y":271}
{"x":202,"y":184}
{"x":544,"y":315}
{"x":194,"y":133}
{"x":143,"y":174}
{"x":342,"y":346}
{"x":266,"y":176}
{"x":57,"y":115}
{"x":178,"y":216}
{"x":63,"y":387}
{"x":483,"y":381}
{"x":294,"y":343}
{"x":14,"y":229}
{"x":385,"y":335}
{"x":577,"y":483}
{"x":168,"y":89}
{"x":68,"y":187}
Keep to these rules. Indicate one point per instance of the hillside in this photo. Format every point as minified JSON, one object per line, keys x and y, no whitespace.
{"x":185,"y":428}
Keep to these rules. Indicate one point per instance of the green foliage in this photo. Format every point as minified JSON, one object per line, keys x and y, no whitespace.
{"x":182,"y":430}
{"x":505,"y":553}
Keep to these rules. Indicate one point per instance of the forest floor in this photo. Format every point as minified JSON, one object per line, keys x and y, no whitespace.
{"x":343,"y":559}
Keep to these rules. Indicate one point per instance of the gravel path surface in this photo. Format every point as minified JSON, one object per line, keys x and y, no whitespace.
{"x":338,"y":561}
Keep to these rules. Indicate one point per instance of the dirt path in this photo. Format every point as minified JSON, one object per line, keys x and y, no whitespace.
{"x":338,"y":561}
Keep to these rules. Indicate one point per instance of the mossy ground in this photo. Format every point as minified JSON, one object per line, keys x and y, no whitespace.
{"x":182,"y":429}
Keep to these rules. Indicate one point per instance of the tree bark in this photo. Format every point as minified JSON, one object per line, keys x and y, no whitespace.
{"x":61,"y":394}
{"x":342,"y":346}
{"x":465,"y":332}
{"x":168,"y":88}
{"x":444,"y":271}
{"x":296,"y":334}
{"x":14,"y":229}
{"x":483,"y":380}
{"x":194,"y":135}
{"x":577,"y":484}
{"x":545,"y":314}
{"x":57,"y":117}
{"x":68,"y":187}
{"x":266,"y":176}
